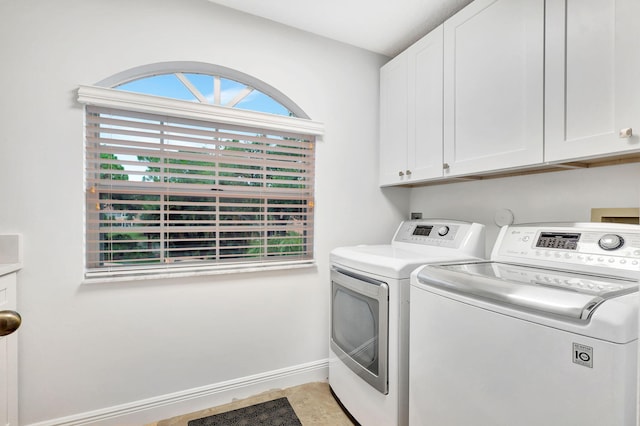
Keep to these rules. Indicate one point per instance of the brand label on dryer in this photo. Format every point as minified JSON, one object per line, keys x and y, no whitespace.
{"x":583,"y":355}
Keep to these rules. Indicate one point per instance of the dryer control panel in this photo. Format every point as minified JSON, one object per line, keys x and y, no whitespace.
{"x":585,"y":247}
{"x":436,"y":232}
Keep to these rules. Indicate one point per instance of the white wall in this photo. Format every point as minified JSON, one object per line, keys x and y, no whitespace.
{"x":86,"y":348}
{"x":565,"y":196}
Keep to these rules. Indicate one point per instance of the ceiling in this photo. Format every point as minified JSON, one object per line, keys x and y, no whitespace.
{"x":382,"y":26}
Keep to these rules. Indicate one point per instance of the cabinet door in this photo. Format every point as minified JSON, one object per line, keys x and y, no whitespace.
{"x":493,"y":86}
{"x":593,"y":77}
{"x":8,"y":357}
{"x":425,"y":136}
{"x":393,"y":121}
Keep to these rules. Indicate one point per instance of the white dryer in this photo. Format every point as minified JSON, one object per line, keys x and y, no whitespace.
{"x":545,"y":333}
{"x":369,"y":347}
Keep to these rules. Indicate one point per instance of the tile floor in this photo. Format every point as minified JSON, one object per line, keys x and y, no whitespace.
{"x":313,"y":403}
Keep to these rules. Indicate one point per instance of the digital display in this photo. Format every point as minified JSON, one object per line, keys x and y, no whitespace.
{"x":558,"y":240}
{"x":422,"y":230}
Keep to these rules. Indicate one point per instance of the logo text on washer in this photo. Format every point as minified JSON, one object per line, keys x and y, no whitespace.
{"x":583,"y":355}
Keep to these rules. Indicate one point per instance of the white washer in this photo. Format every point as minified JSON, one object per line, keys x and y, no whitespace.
{"x":369,"y":354}
{"x":543,"y":334}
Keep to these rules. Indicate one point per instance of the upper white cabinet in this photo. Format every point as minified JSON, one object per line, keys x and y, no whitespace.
{"x":508,"y":85}
{"x":411,"y":113}
{"x":394,"y":104}
{"x":593,"y":78}
{"x":493,"y":86}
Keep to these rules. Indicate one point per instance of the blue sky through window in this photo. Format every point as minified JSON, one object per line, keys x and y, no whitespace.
{"x":168,"y":85}
{"x":165,"y":85}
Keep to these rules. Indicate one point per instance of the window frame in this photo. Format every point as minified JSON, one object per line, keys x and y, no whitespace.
{"x":142,"y":103}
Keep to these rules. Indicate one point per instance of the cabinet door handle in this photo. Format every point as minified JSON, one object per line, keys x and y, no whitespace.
{"x":9,"y":322}
{"x":626,"y":133}
{"x":408,"y":172}
{"x":400,"y":173}
{"x":445,"y":166}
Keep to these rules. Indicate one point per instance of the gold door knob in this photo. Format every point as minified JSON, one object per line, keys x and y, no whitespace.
{"x":9,"y":322}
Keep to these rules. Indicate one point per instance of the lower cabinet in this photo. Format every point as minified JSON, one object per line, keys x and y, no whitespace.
{"x":8,"y":354}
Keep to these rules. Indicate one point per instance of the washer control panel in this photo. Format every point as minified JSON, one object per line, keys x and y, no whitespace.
{"x":587,"y":246}
{"x":588,"y":284}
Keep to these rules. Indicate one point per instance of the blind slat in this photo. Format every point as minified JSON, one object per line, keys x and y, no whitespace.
{"x":157,"y":125}
{"x":249,"y":155}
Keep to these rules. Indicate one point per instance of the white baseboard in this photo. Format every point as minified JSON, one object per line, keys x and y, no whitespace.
{"x":166,"y":406}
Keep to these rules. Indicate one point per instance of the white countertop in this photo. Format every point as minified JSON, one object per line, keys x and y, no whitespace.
{"x":10,"y":253}
{"x":8,"y":268}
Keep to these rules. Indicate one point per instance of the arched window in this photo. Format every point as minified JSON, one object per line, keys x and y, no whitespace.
{"x":207,"y":89}
{"x":189,"y":171}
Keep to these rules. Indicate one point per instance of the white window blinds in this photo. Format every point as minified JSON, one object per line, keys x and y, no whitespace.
{"x":168,"y":190}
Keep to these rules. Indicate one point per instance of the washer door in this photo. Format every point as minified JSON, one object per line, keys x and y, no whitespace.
{"x":360,"y":326}
{"x":547,"y":291}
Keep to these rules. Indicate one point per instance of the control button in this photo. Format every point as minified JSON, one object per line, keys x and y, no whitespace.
{"x":635,"y":262}
{"x":611,"y":260}
{"x":558,"y":255}
{"x":525,"y":238}
{"x":601,"y":259}
{"x":611,"y":242}
{"x":567,"y":255}
{"x":443,"y":230}
{"x":623,"y":261}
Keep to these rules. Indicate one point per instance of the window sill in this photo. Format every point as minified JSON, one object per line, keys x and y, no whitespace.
{"x":192,"y":271}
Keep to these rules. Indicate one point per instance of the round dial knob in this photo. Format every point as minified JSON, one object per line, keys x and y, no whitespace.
{"x":611,"y":242}
{"x":443,"y":230}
